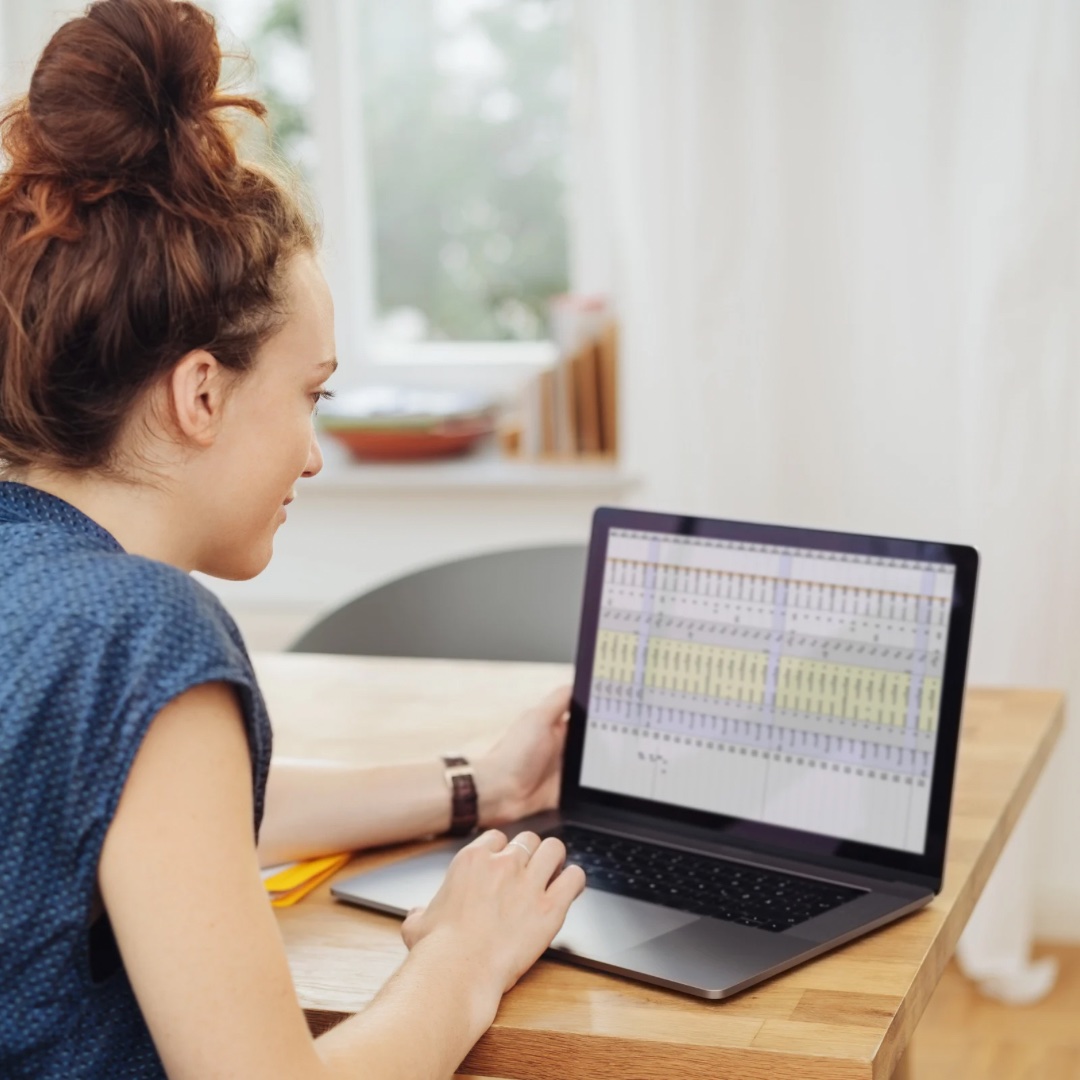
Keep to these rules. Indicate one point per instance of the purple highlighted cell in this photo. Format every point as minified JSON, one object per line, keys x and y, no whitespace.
{"x":645,"y":619}
{"x":918,"y":671}
{"x":779,"y":617}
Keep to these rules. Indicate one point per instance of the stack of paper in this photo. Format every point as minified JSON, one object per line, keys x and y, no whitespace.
{"x":288,"y":882}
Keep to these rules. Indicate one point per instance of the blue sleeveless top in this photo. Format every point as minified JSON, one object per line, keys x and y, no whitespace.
{"x":93,"y":644}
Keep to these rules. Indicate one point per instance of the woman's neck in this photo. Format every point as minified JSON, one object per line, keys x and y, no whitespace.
{"x":145,"y":519}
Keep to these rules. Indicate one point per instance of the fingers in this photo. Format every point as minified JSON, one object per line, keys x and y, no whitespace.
{"x":540,"y":859}
{"x":558,"y":701}
{"x":410,"y":928}
{"x":522,"y":847}
{"x":543,"y":859}
{"x":546,"y":869}
{"x":548,"y":860}
{"x":491,"y":840}
{"x":568,"y":886}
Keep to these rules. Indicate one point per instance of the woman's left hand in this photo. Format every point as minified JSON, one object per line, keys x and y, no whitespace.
{"x":520,"y":775}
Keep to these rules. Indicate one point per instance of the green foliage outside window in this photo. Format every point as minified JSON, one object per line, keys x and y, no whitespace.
{"x":465,"y":127}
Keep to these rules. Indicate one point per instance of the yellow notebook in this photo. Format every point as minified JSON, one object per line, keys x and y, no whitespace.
{"x":289,"y":882}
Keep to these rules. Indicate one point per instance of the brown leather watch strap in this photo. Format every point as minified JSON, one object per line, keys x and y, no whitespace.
{"x":463,"y":808}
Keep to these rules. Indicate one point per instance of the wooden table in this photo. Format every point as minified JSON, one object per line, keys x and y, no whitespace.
{"x":848,"y":1014}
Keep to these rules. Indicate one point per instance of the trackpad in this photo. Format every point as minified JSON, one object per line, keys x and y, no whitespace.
{"x":600,"y":923}
{"x":597,"y":924}
{"x":398,"y":886}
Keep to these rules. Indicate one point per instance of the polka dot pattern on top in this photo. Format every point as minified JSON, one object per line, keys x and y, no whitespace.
{"x":94,"y":642}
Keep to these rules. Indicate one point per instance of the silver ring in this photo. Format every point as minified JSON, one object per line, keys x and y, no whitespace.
{"x":518,"y":843}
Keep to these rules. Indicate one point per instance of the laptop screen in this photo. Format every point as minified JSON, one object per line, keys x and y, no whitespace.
{"x":792,"y":686}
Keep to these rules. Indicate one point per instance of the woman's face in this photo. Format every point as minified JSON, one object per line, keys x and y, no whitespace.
{"x":266,"y":441}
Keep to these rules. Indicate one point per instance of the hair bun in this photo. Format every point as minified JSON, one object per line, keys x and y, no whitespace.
{"x":127,"y":88}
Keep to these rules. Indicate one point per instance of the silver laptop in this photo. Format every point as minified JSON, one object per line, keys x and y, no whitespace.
{"x":762,"y":743}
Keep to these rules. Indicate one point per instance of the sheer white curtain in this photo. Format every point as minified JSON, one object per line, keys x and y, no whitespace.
{"x":844,"y":241}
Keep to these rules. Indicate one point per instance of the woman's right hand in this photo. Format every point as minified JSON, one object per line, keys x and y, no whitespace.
{"x":500,"y":905}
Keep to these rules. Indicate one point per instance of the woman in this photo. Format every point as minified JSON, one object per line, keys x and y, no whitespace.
{"x":165,"y":334}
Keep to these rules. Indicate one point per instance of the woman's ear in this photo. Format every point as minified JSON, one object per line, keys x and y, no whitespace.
{"x":196,"y":391}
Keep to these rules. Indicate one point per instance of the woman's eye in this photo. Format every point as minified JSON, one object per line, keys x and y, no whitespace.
{"x":321,"y":395}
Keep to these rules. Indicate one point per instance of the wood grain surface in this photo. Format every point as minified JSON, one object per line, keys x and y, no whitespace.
{"x":849,"y":1014}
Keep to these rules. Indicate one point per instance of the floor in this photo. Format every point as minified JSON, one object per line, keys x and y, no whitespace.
{"x":965,"y":1036}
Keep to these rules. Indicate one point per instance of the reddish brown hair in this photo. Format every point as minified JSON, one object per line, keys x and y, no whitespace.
{"x":130,"y":231}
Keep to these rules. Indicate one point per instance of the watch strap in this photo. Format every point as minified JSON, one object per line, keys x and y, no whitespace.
{"x":463,"y":802}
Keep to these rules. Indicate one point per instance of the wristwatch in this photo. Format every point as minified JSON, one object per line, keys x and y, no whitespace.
{"x":459,"y":778}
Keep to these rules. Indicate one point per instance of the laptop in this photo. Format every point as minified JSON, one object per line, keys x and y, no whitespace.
{"x":761,"y":747}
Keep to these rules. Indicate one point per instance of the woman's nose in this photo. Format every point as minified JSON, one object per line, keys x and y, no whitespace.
{"x":315,"y":459}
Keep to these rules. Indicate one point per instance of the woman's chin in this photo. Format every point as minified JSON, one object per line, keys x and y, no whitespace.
{"x":241,"y":566}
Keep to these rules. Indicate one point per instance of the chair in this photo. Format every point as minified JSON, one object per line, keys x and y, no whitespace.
{"x":522,"y":604}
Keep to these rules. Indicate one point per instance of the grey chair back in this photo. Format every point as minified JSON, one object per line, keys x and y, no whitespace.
{"x":522,"y":604}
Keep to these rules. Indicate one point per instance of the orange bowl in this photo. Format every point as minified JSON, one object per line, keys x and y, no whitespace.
{"x":404,"y":444}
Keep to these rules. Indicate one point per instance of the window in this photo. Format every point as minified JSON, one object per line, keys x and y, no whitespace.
{"x":461,"y":139}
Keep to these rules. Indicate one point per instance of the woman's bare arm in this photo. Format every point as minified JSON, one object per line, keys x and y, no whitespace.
{"x":180,"y":881}
{"x":320,"y":807}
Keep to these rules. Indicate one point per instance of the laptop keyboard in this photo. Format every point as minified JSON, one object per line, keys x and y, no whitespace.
{"x":700,"y":884}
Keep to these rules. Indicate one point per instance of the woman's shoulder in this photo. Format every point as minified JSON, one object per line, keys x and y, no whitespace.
{"x":114,"y":585}
{"x":119,"y":633}
{"x":95,"y":641}
{"x":89,"y":659}
{"x":57,"y":566}
{"x":158,"y":622}
{"x":110,"y":593}
{"x":160,"y":609}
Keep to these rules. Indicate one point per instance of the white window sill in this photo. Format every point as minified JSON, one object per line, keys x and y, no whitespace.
{"x":499,"y":369}
{"x":485,"y":470}
{"x":480,"y":354}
